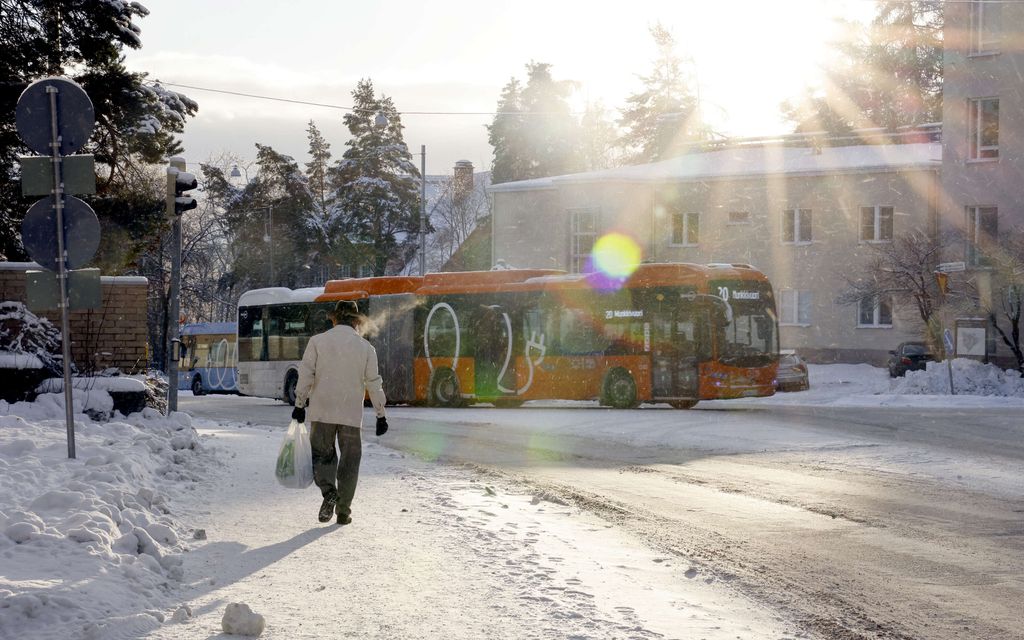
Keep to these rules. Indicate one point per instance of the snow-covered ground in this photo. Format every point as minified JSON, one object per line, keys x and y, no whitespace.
{"x":109,"y":546}
{"x":160,"y":523}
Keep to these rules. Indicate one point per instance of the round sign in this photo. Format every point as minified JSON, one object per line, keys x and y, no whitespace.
{"x":75,"y":116}
{"x":81,"y":233}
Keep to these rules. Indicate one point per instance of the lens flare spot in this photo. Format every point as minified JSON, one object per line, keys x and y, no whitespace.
{"x":616,"y":255}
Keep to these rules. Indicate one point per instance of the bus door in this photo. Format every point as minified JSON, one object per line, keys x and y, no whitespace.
{"x":494,"y":359}
{"x":675,"y":340}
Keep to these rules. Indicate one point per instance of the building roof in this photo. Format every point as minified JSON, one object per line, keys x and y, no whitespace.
{"x":208,"y":328}
{"x":748,"y":162}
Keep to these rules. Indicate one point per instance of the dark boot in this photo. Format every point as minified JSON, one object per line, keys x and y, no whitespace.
{"x":327,"y":508}
{"x":344,"y":519}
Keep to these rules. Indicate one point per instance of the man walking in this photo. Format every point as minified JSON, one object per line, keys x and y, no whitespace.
{"x":338,"y":367}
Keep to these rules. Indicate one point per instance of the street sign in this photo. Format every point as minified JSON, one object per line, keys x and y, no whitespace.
{"x":947,"y":339}
{"x":81,"y":233}
{"x":78,"y":175}
{"x":43,"y":290}
{"x":75,"y":116}
{"x":951,"y":267}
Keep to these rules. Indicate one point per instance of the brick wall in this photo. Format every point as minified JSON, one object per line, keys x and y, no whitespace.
{"x":113,"y":336}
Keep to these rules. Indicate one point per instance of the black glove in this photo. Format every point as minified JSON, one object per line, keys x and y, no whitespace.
{"x":382,"y":425}
{"x":299,"y":413}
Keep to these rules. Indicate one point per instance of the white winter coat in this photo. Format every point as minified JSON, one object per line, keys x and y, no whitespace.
{"x":336,"y":369}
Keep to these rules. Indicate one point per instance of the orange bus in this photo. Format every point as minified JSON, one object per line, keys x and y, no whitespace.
{"x":673,"y":333}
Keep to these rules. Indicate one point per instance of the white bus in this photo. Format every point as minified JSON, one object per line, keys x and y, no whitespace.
{"x":274,"y":326}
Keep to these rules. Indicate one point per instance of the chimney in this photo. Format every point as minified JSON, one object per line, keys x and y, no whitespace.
{"x":463,"y":179}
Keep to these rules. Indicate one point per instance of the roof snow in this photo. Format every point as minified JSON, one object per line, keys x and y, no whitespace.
{"x":747,"y":162}
{"x":278,"y":295}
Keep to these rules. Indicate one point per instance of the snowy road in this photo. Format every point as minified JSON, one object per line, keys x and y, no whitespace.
{"x":854,"y":522}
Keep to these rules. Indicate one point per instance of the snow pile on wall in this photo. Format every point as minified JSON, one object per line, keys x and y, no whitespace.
{"x":87,"y":544}
{"x":970,"y":377}
{"x":23,"y":332}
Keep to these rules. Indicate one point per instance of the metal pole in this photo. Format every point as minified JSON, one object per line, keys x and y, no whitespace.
{"x":62,"y":272}
{"x":270,"y":236}
{"x":423,"y":209}
{"x":949,"y":350}
{"x":173,"y":352}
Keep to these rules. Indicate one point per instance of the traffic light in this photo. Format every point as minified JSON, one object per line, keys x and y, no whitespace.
{"x":178,"y":182}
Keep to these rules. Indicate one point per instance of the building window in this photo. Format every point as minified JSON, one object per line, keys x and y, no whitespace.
{"x":875,"y":311}
{"x":876,"y":224}
{"x":796,"y":226}
{"x":584,"y":234}
{"x":685,"y":229}
{"x":983,"y":128}
{"x":982,"y":227}
{"x":795,"y":307}
{"x":739,"y":217}
{"x":986,"y":17}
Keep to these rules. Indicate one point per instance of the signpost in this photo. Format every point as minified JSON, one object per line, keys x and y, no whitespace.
{"x":947,"y":340}
{"x":942,"y":272}
{"x":55,"y":118}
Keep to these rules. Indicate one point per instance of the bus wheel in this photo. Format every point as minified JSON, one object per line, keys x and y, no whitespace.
{"x":444,"y":389}
{"x":197,"y":386}
{"x":290,"y":382}
{"x":620,"y":389}
{"x":683,"y":404}
{"x":508,"y":403}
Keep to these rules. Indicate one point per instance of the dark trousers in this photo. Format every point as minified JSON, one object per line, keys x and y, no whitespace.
{"x":336,"y":477}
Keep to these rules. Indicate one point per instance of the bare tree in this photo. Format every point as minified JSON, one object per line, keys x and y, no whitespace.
{"x":1006,"y":261}
{"x":904,"y":269}
{"x":454,"y":215}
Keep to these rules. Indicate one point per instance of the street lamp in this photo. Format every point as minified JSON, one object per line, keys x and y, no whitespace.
{"x":380,"y":121}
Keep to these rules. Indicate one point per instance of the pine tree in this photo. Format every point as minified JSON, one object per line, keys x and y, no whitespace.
{"x":534,"y":133}
{"x":375,"y":184}
{"x":505,"y":135}
{"x":887,"y":74}
{"x":326,"y":237}
{"x":663,"y":119}
{"x":135,"y":122}
{"x":597,"y":139}
{"x":551,"y":133}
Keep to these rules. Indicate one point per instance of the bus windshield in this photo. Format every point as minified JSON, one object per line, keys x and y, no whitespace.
{"x":750,"y":337}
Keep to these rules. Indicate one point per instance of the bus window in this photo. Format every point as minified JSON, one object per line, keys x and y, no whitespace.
{"x":219,"y":351}
{"x":441,"y":335}
{"x":287,"y":336}
{"x":577,"y":334}
{"x":250,"y":334}
{"x":318,"y":321}
{"x":188,"y":345}
{"x":199,"y":355}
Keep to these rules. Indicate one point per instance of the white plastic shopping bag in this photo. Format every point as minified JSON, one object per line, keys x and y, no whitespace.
{"x":295,"y":459}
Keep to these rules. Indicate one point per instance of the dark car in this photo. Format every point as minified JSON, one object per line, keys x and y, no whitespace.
{"x":908,"y":356}
{"x":792,"y":375}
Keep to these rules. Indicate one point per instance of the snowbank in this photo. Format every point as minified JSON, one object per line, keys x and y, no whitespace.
{"x":970,"y":377}
{"x":976,"y":385}
{"x":115,"y":384}
{"x":10,"y":360}
{"x":91,"y":546}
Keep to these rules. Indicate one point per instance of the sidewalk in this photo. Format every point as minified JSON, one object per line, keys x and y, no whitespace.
{"x":433,"y":552}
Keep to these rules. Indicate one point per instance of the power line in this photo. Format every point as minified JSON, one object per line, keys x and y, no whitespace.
{"x":347,"y":108}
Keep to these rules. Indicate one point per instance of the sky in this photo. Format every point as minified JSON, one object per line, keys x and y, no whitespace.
{"x":455,"y":56}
